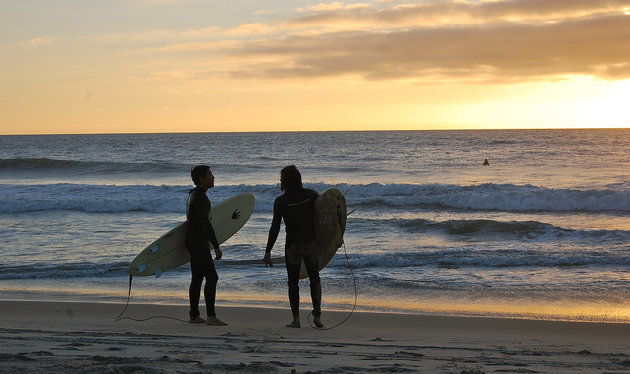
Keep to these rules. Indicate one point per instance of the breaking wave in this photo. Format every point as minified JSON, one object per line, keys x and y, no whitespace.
{"x":170,"y":198}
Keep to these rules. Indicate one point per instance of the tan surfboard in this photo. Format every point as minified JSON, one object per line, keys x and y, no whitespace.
{"x":330,"y":225}
{"x":169,"y":251}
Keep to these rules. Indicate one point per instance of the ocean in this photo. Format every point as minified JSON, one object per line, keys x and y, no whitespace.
{"x":542,"y":232}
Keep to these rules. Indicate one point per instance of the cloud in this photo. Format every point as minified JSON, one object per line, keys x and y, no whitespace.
{"x":462,"y":12}
{"x":594,"y":45}
{"x":196,"y":47}
{"x":156,"y":36}
{"x":465,"y":41}
{"x":38,"y":42}
{"x":251,"y":29}
{"x":321,"y":7}
{"x":264,"y":12}
{"x":328,"y":7}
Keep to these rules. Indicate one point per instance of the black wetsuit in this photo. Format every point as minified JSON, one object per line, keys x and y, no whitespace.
{"x":199,"y":235}
{"x":297,"y":208}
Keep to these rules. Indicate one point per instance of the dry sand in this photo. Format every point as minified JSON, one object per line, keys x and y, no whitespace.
{"x":64,"y":337}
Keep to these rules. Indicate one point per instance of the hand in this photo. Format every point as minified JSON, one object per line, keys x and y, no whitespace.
{"x":218,"y":253}
{"x":267,"y":260}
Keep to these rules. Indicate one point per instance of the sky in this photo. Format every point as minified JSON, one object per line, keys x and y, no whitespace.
{"x":138,"y":66}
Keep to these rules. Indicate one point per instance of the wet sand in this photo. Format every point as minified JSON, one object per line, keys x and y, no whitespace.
{"x":66,"y":337}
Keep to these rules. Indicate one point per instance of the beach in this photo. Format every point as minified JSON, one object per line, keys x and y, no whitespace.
{"x":78,"y":337}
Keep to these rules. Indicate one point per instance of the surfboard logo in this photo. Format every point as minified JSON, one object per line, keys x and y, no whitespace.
{"x":236,"y":215}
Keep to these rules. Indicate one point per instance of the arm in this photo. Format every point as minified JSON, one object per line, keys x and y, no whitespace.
{"x":212,"y":236}
{"x":215,"y":242}
{"x":273,"y":231}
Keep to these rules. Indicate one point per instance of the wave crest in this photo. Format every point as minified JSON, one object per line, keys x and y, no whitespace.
{"x":170,"y":198}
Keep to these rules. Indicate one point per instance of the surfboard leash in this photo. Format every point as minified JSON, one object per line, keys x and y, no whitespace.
{"x":127,"y":304}
{"x":354,"y":283}
{"x":120,"y":317}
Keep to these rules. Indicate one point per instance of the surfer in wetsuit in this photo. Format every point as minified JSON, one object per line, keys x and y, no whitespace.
{"x":297,"y":207}
{"x":199,"y":235}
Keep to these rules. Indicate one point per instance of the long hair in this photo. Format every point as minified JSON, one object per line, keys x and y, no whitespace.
{"x":290,"y":178}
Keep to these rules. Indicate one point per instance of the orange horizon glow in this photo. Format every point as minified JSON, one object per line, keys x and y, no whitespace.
{"x":189,"y":66}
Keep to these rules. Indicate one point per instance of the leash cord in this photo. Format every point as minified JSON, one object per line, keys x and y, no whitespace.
{"x":120,"y":317}
{"x":354,"y":283}
{"x":127,"y":304}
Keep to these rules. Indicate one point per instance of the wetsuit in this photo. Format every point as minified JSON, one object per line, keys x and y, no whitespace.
{"x":297,"y":208}
{"x":199,"y":235}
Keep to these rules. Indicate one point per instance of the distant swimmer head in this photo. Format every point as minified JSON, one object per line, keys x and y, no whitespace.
{"x":290,"y":178}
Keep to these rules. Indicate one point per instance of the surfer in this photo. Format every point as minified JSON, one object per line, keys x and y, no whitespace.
{"x":296,"y":207}
{"x":486,"y":163}
{"x":199,"y":235}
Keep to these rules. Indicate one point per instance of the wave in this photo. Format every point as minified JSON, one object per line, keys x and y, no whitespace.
{"x":170,"y":198}
{"x":520,"y":230}
{"x":452,"y":258}
{"x":25,"y":167}
{"x":53,"y":166}
{"x":64,"y":271}
{"x":479,"y":258}
{"x":493,"y":230}
{"x":91,"y":198}
{"x":490,"y":196}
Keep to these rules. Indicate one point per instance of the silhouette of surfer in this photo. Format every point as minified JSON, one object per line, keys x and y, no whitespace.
{"x":199,"y":235}
{"x":486,"y":163}
{"x":297,"y":207}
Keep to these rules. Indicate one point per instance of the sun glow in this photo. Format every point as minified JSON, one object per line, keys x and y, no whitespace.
{"x":605,"y":104}
{"x":579,"y":102}
{"x":398,"y":67}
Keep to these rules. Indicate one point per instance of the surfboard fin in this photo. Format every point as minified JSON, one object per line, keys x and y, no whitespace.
{"x":141,"y":268}
{"x":154,"y":248}
{"x":158,"y":272}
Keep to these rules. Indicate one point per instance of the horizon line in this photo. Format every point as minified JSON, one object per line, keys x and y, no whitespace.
{"x":320,"y":131}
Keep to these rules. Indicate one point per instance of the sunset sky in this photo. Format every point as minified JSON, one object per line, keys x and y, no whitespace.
{"x":251,"y":65}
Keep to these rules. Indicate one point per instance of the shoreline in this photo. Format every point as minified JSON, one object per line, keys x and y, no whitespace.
{"x":515,"y":309}
{"x":83,"y":337}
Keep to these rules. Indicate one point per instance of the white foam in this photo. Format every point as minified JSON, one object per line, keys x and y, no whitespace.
{"x":169,"y":198}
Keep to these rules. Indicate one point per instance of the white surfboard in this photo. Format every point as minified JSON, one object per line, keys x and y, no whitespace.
{"x":169,"y":251}
{"x":330,"y":225}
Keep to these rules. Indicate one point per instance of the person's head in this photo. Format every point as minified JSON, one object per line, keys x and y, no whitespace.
{"x":290,"y":178}
{"x":202,"y":176}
